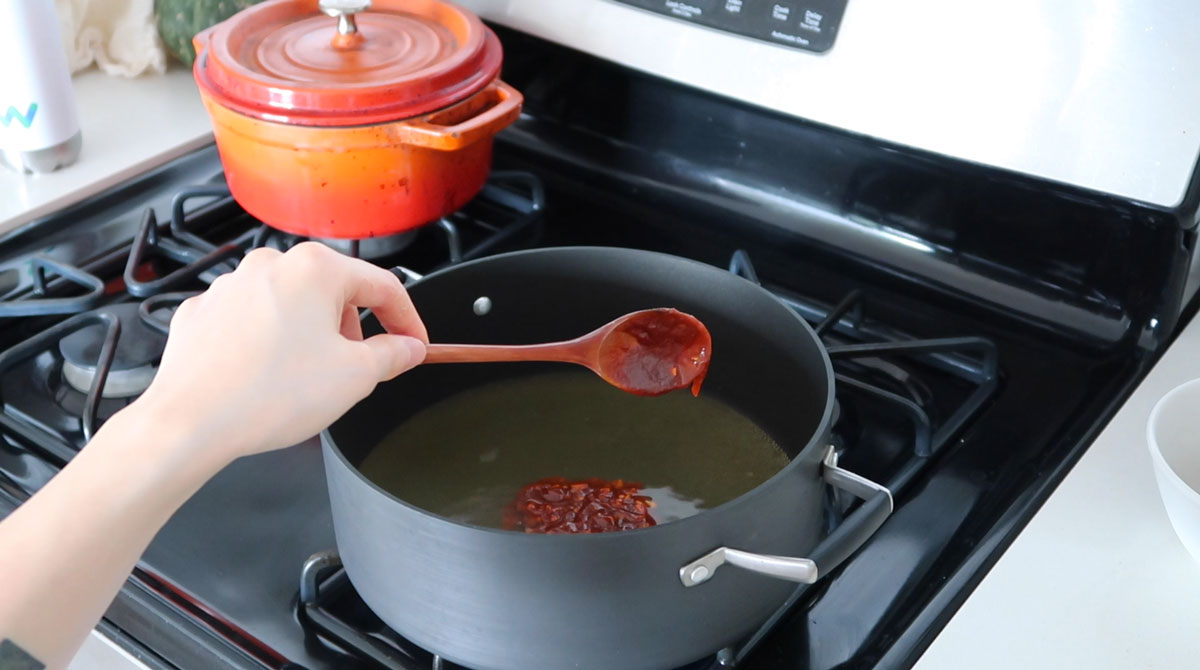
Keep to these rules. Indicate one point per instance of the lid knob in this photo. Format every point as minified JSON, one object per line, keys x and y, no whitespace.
{"x":345,"y":10}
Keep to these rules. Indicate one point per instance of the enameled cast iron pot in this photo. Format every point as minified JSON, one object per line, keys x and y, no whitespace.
{"x":649,"y":598}
{"x":367,"y":125}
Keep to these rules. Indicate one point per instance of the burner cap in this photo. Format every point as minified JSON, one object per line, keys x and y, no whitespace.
{"x":135,"y":361}
{"x":374,"y":248}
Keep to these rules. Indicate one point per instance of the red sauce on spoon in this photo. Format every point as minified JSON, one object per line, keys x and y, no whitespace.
{"x":656,"y":351}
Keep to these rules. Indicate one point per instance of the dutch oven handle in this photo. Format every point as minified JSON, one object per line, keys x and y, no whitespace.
{"x":837,"y":547}
{"x":445,"y":130}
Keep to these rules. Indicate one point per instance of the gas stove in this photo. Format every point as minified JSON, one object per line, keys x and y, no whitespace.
{"x":983,"y":325}
{"x":901,"y":400}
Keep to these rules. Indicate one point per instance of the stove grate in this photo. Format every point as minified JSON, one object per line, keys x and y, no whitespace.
{"x":42,"y":303}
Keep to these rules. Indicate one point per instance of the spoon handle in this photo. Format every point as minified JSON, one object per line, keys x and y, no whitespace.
{"x":562,"y":352}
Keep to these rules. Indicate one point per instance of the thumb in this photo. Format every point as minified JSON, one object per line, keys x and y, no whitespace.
{"x":394,"y":354}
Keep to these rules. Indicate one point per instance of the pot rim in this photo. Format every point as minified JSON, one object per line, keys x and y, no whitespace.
{"x":282,"y":124}
{"x":814,"y":442}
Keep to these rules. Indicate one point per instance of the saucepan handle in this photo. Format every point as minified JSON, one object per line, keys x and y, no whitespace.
{"x":200,"y":42}
{"x":835,"y":548}
{"x":406,"y":275}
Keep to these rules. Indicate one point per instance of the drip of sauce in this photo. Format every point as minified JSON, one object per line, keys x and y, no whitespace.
{"x":557,"y":506}
{"x":658,"y":351}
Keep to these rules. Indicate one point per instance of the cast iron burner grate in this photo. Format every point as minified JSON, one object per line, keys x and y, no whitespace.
{"x":932,"y":387}
{"x":166,"y":264}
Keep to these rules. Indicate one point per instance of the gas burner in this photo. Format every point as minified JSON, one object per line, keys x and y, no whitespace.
{"x":135,"y":360}
{"x":373,"y":248}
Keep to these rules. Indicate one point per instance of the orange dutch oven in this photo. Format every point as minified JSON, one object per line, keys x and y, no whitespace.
{"x":340,"y":119}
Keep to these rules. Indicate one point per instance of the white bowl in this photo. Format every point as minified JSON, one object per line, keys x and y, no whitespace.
{"x":1174,"y":436}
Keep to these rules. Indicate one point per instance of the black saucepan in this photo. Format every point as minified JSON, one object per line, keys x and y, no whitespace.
{"x":649,"y":598}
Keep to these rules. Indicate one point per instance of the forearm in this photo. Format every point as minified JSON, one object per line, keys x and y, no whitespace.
{"x":65,"y":553}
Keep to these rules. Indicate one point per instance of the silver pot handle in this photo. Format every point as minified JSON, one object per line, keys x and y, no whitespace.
{"x":837,"y":547}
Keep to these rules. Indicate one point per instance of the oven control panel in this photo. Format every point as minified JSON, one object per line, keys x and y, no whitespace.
{"x":811,"y":25}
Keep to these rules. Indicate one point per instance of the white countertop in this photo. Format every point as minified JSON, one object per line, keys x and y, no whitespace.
{"x":1098,"y":578}
{"x":129,"y":126}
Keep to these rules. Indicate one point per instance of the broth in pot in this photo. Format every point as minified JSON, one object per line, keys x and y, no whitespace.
{"x":467,"y":457}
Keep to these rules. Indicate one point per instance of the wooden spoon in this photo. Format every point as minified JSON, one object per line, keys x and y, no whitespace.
{"x":649,"y":352}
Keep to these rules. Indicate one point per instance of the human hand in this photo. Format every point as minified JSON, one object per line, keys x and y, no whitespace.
{"x":273,"y":353}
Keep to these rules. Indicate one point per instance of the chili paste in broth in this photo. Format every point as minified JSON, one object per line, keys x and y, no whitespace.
{"x":557,"y":505}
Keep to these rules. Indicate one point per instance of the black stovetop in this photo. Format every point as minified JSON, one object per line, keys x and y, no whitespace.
{"x":977,"y":353}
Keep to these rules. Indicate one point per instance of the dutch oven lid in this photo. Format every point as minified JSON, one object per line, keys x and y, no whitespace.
{"x":346,"y":62}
